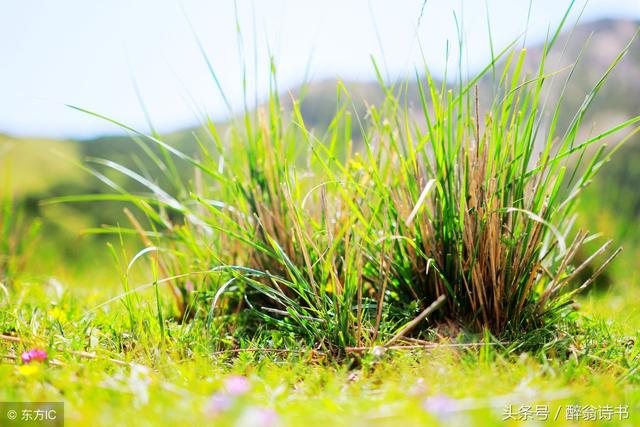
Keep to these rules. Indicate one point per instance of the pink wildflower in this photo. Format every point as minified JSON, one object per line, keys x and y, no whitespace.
{"x":34,"y":355}
{"x":441,"y":405}
{"x":237,"y":385}
{"x":219,"y":403}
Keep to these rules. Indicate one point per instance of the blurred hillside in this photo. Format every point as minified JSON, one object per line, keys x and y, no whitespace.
{"x":39,"y":169}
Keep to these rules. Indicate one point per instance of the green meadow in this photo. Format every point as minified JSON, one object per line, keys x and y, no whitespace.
{"x":454,"y":251}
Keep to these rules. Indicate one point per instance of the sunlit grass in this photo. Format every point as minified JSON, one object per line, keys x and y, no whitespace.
{"x":106,"y":377}
{"x":461,"y":214}
{"x":416,"y":264}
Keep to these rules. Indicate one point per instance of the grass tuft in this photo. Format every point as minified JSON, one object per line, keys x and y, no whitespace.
{"x":458,"y":214}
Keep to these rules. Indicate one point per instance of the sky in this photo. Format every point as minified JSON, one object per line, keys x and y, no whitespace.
{"x":122,"y":57}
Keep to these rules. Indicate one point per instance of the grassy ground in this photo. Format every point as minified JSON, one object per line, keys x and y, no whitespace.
{"x":272,"y":284}
{"x":106,"y":378}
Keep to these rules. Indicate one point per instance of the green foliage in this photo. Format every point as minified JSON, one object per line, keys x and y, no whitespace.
{"x":344,"y":244}
{"x":436,"y":255}
{"x":106,"y":376}
{"x":340,"y":248}
{"x":478,"y":205}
